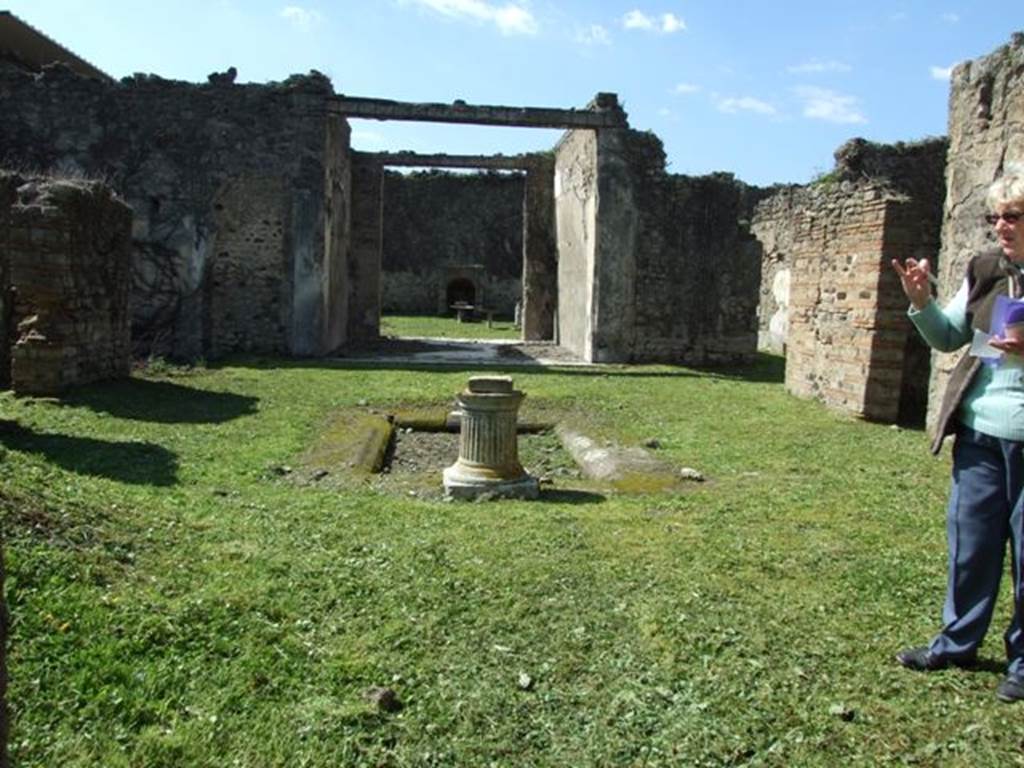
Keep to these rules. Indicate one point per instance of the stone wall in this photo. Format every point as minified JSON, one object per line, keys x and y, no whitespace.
{"x":697,"y":267}
{"x":986,"y":132}
{"x":67,"y":257}
{"x":366,"y":239}
{"x":435,"y":219}
{"x":848,"y":341}
{"x":229,"y":185}
{"x":652,"y":266}
{"x":576,"y":227}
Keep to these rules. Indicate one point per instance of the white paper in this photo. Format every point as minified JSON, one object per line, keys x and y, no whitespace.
{"x":980,"y":346}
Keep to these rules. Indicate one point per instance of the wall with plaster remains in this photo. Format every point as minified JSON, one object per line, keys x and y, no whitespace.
{"x":829,"y":295}
{"x":986,"y":131}
{"x":652,"y":266}
{"x":229,"y":184}
{"x":436,"y":219}
{"x":576,"y":227}
{"x":65,"y":249}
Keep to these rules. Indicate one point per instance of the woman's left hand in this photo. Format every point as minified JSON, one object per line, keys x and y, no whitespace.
{"x":1009,"y":346}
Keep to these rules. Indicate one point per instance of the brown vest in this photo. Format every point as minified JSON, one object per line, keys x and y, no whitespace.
{"x":987,"y":277}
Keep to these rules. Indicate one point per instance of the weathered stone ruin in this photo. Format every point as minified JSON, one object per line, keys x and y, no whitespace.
{"x":829,"y":297}
{"x":65,"y":259}
{"x":986,"y":131}
{"x":238,"y":197}
{"x":651,"y":266}
{"x":438,"y":226}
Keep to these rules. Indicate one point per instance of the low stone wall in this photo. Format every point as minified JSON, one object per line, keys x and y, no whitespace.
{"x":436,"y":219}
{"x":986,"y":131}
{"x":67,"y":258}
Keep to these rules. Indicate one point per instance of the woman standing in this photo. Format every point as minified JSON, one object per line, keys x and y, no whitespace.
{"x":984,"y":408}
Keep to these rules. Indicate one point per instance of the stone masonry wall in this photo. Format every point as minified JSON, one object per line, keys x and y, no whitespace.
{"x":849,"y":342}
{"x":435,"y":219}
{"x":697,"y":267}
{"x":986,"y":132}
{"x":228,"y":185}
{"x":68,"y":256}
{"x":828,"y":296}
{"x":652,"y":266}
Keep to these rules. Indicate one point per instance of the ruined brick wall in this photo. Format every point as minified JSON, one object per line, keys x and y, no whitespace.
{"x":434,"y":219}
{"x":68,"y":259}
{"x":337,"y":231}
{"x":986,"y":131}
{"x":652,"y":266}
{"x":228,"y":187}
{"x":697,"y":267}
{"x":849,"y":343}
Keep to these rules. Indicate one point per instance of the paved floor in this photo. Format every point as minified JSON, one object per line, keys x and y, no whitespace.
{"x":462,"y":352}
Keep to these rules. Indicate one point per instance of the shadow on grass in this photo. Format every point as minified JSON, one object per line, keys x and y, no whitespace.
{"x":765,"y":368}
{"x":162,"y":401}
{"x":567,"y":496}
{"x":135,"y":463}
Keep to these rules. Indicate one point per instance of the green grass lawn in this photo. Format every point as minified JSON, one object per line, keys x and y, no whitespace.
{"x":177,"y":600}
{"x":435,"y":327}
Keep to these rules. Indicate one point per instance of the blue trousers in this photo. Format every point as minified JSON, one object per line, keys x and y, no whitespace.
{"x":986,"y":509}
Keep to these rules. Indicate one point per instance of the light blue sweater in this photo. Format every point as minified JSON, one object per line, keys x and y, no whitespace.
{"x":995,"y":402}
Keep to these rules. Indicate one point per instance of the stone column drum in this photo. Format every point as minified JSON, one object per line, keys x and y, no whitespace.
{"x":488,"y":452}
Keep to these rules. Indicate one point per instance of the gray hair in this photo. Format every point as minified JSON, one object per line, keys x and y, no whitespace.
{"x":1008,"y":188}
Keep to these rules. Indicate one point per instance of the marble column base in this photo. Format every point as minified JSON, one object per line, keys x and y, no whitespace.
{"x":457,"y":485}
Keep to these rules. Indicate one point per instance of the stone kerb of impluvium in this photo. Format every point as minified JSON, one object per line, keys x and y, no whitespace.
{"x":488,"y":463}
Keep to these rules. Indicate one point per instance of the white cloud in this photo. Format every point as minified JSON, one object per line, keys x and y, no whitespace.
{"x":671,"y":23}
{"x":941,"y":73}
{"x":510,"y":19}
{"x":823,"y":104}
{"x":300,"y":17}
{"x":665,"y":112}
{"x":815,"y":66}
{"x":686,"y":88}
{"x":637,"y":20}
{"x":595,"y":34}
{"x":950,"y":18}
{"x":667,"y":23}
{"x":735,"y":104}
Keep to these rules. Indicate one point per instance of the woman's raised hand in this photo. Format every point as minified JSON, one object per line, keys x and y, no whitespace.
{"x":914,"y":276}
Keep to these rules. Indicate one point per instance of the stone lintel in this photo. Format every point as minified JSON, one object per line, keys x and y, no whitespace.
{"x":605,"y":113}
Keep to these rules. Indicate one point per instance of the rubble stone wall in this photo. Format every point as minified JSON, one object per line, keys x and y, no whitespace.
{"x":986,"y":132}
{"x":697,"y":266}
{"x":436,"y":219}
{"x":228,"y":183}
{"x":67,"y":260}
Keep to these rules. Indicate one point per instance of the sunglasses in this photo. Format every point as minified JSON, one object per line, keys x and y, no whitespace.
{"x":1010,"y":217}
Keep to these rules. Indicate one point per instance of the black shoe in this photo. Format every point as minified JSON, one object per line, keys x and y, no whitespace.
{"x":923,"y":660}
{"x":1010,"y":690}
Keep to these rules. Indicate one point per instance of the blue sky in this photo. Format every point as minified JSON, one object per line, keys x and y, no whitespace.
{"x":764,"y":90}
